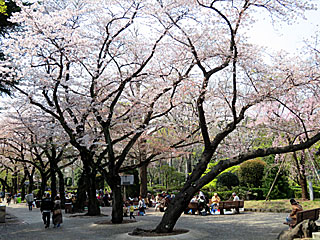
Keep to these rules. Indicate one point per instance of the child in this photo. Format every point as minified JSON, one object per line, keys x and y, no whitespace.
{"x":131,"y":209}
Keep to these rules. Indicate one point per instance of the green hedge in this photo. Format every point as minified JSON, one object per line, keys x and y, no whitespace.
{"x":297,"y":192}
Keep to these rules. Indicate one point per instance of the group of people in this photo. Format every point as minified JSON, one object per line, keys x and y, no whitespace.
{"x":210,"y":207}
{"x":162,"y":201}
{"x":49,"y":206}
{"x":8,"y":197}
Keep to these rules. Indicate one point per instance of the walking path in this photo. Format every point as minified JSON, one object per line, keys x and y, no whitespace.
{"x":28,"y":225}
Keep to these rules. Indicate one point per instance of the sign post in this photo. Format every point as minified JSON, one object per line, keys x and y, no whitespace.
{"x":126,"y":180}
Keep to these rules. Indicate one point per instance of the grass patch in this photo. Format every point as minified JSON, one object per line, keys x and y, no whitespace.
{"x":281,"y":204}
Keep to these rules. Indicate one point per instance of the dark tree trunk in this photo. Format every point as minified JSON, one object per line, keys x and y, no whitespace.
{"x":23,"y":187}
{"x":190,"y":188}
{"x":5,"y":186}
{"x":30,"y":178}
{"x":117,"y":201}
{"x":31,"y":183}
{"x":93,"y":205}
{"x":301,"y":174}
{"x":61,"y":187}
{"x":14,"y":181}
{"x":304,"y":187}
{"x":174,"y":210}
{"x":53,"y":183}
{"x":81,"y":194}
{"x":89,"y":174}
{"x":144,"y":181}
{"x":42,"y":187}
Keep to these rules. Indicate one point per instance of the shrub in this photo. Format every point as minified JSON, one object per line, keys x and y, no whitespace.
{"x":251,"y":173}
{"x":227,"y":179}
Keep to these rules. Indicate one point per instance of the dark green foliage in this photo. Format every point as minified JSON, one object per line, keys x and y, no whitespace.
{"x":68,"y":181}
{"x":256,"y":193}
{"x":228,"y":180}
{"x":5,"y":25}
{"x":251,"y":173}
{"x":281,"y":189}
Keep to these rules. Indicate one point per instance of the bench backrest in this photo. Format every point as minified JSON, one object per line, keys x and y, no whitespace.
{"x":312,"y":214}
{"x":231,"y":204}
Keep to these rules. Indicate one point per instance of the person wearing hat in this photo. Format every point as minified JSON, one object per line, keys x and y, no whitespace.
{"x":292,"y":218}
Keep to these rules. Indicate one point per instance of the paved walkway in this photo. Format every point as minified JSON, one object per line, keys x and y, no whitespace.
{"x":28,"y":225}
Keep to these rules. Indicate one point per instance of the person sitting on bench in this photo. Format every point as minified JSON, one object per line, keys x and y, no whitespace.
{"x":215,"y":202}
{"x":292,"y":218}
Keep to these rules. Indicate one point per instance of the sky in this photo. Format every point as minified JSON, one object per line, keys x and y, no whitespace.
{"x":285,"y":37}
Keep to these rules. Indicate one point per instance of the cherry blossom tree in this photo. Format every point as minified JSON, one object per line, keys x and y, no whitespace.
{"x":109,"y":71}
{"x":239,"y":91}
{"x":33,"y":142}
{"x":90,"y":66}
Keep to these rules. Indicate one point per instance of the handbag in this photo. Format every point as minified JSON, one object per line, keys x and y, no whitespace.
{"x":57,"y":212}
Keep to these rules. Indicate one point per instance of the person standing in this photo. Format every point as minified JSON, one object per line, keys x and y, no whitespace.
{"x":141,"y":206}
{"x":30,"y":199}
{"x":131,"y":209}
{"x":57,"y":214}
{"x":46,"y":208}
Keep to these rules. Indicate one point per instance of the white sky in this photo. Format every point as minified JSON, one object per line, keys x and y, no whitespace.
{"x":285,"y":37}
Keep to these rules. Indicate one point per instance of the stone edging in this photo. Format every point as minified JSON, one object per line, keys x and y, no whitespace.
{"x":275,"y":210}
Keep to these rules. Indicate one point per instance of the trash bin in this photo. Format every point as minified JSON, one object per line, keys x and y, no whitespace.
{"x":2,"y":213}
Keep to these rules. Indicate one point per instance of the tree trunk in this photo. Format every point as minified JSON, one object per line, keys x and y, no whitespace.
{"x":117,"y":201}
{"x":53,"y":183}
{"x":61,"y":187}
{"x":81,"y":194}
{"x":23,"y":187}
{"x":301,"y":174}
{"x":93,"y":205}
{"x":144,"y":181}
{"x":304,"y":187}
{"x":31,"y":183}
{"x":42,"y":187}
{"x":190,"y":188}
{"x":14,"y":181}
{"x":174,"y":210}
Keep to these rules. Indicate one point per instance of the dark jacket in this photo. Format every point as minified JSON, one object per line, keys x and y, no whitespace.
{"x":46,"y":204}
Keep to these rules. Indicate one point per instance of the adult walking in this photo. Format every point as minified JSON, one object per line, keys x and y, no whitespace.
{"x":30,"y":199}
{"x":46,"y":208}
{"x":57,"y":213}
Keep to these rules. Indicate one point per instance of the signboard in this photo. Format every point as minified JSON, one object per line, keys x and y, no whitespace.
{"x":127,"y":180}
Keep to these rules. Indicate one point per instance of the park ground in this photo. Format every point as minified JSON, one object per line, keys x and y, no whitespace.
{"x":23,"y":224}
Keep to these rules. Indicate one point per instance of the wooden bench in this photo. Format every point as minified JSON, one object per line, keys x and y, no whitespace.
{"x":228,"y":205}
{"x":312,"y":214}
